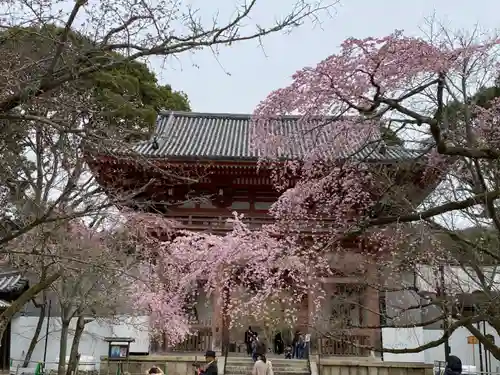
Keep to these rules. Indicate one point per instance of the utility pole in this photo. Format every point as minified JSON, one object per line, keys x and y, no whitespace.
{"x":442,"y":294}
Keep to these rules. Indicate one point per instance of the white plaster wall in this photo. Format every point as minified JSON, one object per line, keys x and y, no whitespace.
{"x":398,"y":338}
{"x":403,"y":338}
{"x":457,"y":279}
{"x":92,"y":346}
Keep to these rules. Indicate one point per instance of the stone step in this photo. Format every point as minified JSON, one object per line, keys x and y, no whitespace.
{"x":280,"y":368}
{"x":287,"y":362}
{"x":241,"y":370}
{"x":276,"y":371}
{"x":276,"y":368}
{"x":275,"y":365}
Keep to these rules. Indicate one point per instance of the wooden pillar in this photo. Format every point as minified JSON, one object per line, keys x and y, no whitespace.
{"x":371,"y":302}
{"x":310,"y":315}
{"x":225,"y":334}
{"x":216,"y":321}
{"x":310,"y":310}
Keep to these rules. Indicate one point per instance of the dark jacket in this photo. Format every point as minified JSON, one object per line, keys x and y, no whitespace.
{"x":454,"y":366}
{"x":211,"y":369}
{"x":248,"y":336}
{"x":260,"y":348}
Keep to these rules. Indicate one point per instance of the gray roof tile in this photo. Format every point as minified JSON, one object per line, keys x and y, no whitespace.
{"x":10,"y":281}
{"x":190,"y":135}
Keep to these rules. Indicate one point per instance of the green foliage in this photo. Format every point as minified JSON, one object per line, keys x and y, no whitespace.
{"x":454,"y":111}
{"x":131,"y":95}
{"x":124,"y":101}
{"x":390,"y":137}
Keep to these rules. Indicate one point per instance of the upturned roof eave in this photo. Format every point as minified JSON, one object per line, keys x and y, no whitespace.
{"x":242,"y":159}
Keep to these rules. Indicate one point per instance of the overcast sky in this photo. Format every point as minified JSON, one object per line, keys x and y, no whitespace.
{"x":244,"y":74}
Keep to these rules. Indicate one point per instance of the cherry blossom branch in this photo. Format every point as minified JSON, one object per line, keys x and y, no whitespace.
{"x":437,"y":210}
{"x":431,"y":344}
{"x":198,"y":37}
{"x":63,"y":38}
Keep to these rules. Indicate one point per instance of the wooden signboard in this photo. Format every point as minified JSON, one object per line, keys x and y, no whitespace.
{"x":472,"y":340}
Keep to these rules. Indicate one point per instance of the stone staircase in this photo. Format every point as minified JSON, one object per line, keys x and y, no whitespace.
{"x":281,"y":366}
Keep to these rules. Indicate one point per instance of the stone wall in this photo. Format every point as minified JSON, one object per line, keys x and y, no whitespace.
{"x":182,"y":365}
{"x":329,"y":366}
{"x":170,"y":364}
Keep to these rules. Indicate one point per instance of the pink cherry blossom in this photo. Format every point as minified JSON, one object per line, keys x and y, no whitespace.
{"x":330,"y":194}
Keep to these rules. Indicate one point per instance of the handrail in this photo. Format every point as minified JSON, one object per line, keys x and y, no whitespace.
{"x":308,"y":356}
{"x":226,"y":352}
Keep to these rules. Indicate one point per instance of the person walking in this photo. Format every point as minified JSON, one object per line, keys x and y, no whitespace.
{"x":258,"y":347}
{"x":255,"y":342}
{"x":262,"y":366}
{"x":211,"y":366}
{"x":261,"y":348}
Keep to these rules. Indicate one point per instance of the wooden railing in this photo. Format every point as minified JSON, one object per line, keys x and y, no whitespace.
{"x":201,"y":340}
{"x":218,"y":223}
{"x":201,"y":222}
{"x":349,"y":346}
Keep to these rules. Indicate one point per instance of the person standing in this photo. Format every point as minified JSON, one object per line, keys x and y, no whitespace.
{"x":249,"y":334}
{"x":211,"y":366}
{"x":262,"y":366}
{"x":300,"y":347}
{"x":260,"y":347}
{"x":307,"y":345}
{"x":295,"y":342}
{"x":278,"y":344}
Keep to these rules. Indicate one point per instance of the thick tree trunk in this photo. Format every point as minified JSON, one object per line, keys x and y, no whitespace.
{"x":38,"y":330}
{"x":63,"y":344}
{"x":225,"y":320}
{"x":27,"y":296}
{"x":73,"y":355}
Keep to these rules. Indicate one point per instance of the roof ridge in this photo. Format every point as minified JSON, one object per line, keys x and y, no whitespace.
{"x":205,"y":114}
{"x":166,"y":113}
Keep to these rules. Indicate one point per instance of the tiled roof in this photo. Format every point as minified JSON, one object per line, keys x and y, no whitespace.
{"x":11,"y":281}
{"x":190,"y":135}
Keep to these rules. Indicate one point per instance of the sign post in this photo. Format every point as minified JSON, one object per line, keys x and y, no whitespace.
{"x":119,"y":349}
{"x":473,"y":340}
{"x":487,"y":352}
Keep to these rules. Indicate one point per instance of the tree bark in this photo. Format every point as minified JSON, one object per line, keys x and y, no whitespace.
{"x":225,"y":320}
{"x":73,"y":355}
{"x":27,"y":296}
{"x":38,"y":330}
{"x":63,"y":344}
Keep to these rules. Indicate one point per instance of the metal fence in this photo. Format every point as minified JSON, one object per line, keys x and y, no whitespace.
{"x":50,"y":368}
{"x":439,"y":367}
